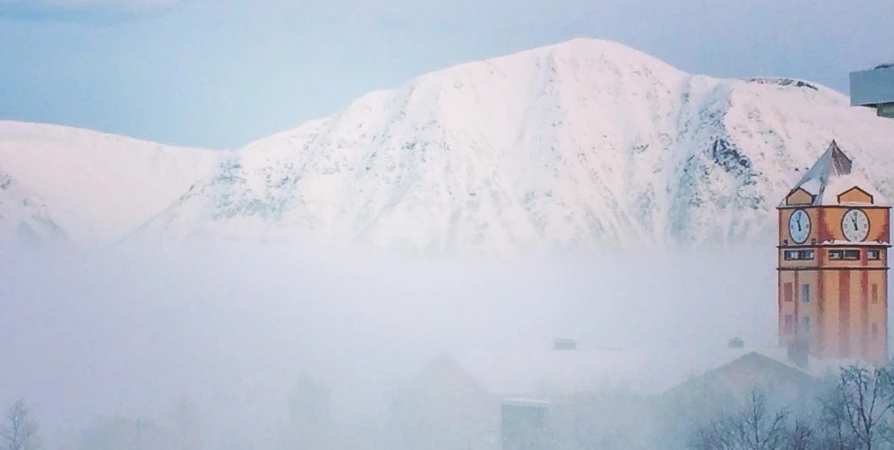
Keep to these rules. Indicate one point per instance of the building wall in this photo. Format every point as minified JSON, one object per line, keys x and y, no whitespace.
{"x":443,"y":408}
{"x":879,"y":229}
{"x":856,"y":318}
{"x":839,"y":306}
{"x":872,"y":87}
{"x":825,"y":223}
{"x":886,"y":110}
{"x":799,"y":314}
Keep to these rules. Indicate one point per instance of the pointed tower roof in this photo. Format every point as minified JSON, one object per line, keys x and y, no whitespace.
{"x":833,"y":174}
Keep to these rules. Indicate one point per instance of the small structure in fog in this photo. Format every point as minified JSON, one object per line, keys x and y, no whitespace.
{"x":512,"y":399}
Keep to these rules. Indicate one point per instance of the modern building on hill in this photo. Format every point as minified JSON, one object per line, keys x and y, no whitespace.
{"x":874,"y":88}
{"x":834,"y":235}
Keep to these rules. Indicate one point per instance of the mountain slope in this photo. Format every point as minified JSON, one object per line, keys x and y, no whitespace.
{"x":586,"y":144}
{"x":99,"y":186}
{"x":24,"y":218}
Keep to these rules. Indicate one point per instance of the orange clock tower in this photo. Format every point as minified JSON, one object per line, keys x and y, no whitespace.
{"x":834,"y":237}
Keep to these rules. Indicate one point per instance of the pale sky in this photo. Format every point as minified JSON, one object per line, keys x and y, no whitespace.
{"x":221,"y":73}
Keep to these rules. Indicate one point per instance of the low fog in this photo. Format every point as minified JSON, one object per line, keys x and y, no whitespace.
{"x":88,"y":336}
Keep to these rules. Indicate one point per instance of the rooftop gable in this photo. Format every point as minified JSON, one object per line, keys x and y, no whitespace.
{"x":830,"y":176}
{"x":548,"y":374}
{"x":753,"y":367}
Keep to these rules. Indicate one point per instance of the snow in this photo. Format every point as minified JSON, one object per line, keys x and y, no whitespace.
{"x":98,"y":186}
{"x":573,"y":147}
{"x":23,"y":216}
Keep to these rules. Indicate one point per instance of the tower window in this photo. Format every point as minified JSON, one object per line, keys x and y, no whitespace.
{"x":804,"y":328}
{"x":793,"y":255}
{"x":787,"y":325}
{"x":874,"y":294}
{"x":805,"y":293}
{"x":850,"y":255}
{"x":787,"y":292}
{"x":873,"y":254}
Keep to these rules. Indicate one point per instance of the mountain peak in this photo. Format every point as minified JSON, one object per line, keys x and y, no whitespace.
{"x":582,"y":145}
{"x":589,"y":45}
{"x":579,"y":146}
{"x":593,"y":53}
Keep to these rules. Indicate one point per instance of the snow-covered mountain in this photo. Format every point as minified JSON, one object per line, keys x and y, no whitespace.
{"x":24,"y":218}
{"x":92,"y":187}
{"x":581,"y":145}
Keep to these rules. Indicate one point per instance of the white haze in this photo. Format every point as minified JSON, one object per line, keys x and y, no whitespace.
{"x":104,"y":333}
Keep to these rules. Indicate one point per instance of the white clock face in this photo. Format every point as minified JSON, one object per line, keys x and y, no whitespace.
{"x":799,"y":226}
{"x":855,"y":225}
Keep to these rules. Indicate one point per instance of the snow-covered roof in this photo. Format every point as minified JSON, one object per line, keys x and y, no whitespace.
{"x":549,"y":373}
{"x":831,"y":175}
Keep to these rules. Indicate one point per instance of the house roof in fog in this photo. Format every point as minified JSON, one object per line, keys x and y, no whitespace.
{"x":547,"y":373}
{"x":832,"y":175}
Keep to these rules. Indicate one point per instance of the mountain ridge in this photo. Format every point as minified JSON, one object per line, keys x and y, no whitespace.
{"x":583,"y":144}
{"x":98,"y":186}
{"x":24,"y":218}
{"x":578,"y":146}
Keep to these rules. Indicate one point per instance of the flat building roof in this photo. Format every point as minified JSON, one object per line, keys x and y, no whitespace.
{"x":872,"y":87}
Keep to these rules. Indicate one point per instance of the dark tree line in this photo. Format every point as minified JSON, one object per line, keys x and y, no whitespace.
{"x":306,"y":426}
{"x":853,"y":410}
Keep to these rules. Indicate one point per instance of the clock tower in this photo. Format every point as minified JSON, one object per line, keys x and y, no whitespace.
{"x":832,"y":266}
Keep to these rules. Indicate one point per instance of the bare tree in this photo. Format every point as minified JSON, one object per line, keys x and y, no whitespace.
{"x":835,"y":431}
{"x":20,"y":431}
{"x":715,"y":435}
{"x":864,"y":399}
{"x":855,"y":412}
{"x":759,"y":427}
{"x":754,"y":426}
{"x":802,"y":436}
